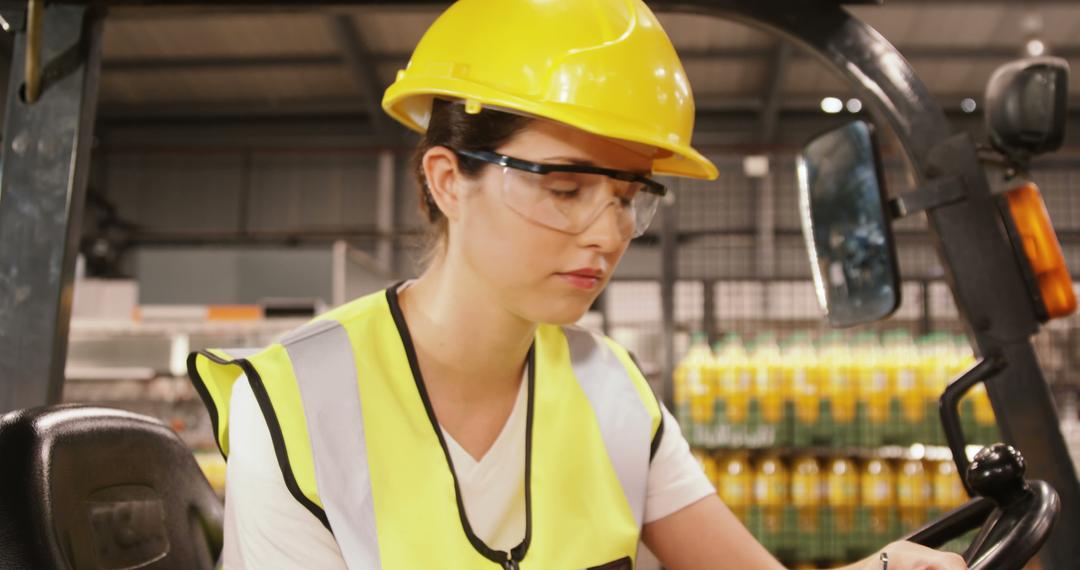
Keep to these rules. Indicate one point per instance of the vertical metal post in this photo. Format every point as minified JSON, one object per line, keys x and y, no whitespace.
{"x":384,"y":215}
{"x":927,"y":321}
{"x":339,"y":260}
{"x":669,"y":271}
{"x":42,"y":190}
{"x":765,"y":246}
{"x":708,"y":310}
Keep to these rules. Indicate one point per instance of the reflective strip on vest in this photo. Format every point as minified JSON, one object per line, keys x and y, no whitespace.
{"x":323,"y":362}
{"x":623,"y":419}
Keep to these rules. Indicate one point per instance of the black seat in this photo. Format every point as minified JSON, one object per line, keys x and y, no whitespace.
{"x":96,"y":488}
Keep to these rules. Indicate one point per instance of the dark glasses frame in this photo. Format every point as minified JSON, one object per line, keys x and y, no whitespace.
{"x":651,"y":186}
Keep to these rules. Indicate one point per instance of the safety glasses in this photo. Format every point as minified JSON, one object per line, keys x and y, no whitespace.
{"x":570,"y":197}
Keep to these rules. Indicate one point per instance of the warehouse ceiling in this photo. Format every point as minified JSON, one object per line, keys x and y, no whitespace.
{"x":243,"y":61}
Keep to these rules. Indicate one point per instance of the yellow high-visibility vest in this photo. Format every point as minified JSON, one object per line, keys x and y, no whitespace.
{"x":359,"y":445}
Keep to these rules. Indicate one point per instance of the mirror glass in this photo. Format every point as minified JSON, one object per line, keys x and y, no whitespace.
{"x":847,"y":231}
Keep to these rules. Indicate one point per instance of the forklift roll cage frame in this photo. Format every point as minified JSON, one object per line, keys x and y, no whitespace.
{"x":45,"y":163}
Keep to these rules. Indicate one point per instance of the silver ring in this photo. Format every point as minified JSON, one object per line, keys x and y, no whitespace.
{"x":884,"y":560}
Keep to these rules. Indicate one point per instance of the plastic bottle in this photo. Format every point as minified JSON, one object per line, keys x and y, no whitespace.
{"x":769,"y":388}
{"x":802,"y":373}
{"x":902,"y":363}
{"x":948,"y":490}
{"x":878,"y":490}
{"x":733,"y":378}
{"x":912,"y":494}
{"x":736,"y":484}
{"x":839,"y":391}
{"x":842,"y":496}
{"x":694,"y":396}
{"x":936,"y":372}
{"x":771,"y":483}
{"x":875,"y":390}
{"x":806,"y":492}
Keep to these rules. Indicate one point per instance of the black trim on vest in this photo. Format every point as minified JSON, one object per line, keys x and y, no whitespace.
{"x":620,"y":564}
{"x":516,"y":554}
{"x":655,"y":444}
{"x":204,"y":394}
{"x":263,"y":399}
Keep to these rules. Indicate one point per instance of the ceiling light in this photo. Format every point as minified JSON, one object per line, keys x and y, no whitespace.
{"x":854,"y":105}
{"x":1035,"y":47}
{"x":832,"y":105}
{"x":968,"y":105}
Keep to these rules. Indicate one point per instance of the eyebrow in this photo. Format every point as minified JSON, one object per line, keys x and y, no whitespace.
{"x":587,"y":162}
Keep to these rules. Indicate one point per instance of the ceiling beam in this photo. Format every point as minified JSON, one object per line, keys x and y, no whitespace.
{"x":185,"y":111}
{"x":230,"y":63}
{"x":360,"y":63}
{"x":218,"y":63}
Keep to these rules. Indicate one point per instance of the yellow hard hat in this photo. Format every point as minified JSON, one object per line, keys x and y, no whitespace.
{"x":603,"y":66}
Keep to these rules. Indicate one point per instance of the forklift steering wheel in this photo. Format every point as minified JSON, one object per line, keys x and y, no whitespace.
{"x":1014,"y":516}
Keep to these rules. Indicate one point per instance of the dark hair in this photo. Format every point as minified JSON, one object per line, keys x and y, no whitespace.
{"x":452,"y":127}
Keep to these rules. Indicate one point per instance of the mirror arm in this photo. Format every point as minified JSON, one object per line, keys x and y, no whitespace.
{"x":935,"y":194}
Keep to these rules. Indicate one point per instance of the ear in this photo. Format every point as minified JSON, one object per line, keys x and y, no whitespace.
{"x":443,"y":179}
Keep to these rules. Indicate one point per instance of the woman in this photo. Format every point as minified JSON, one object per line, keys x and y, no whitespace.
{"x":459,"y":420}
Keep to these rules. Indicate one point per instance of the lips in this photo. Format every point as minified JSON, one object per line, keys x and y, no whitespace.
{"x":585,"y":272}
{"x":585,"y":278}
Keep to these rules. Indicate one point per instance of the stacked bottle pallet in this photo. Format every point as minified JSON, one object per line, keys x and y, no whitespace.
{"x":820,"y":447}
{"x":858,"y":392}
{"x":827,"y":510}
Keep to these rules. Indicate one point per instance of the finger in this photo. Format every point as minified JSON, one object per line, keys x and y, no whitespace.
{"x":952,"y":561}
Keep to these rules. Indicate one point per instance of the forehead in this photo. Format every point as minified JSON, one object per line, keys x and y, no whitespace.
{"x":545,"y":140}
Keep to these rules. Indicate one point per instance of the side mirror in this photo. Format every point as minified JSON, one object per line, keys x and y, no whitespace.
{"x":1026,"y":104}
{"x":847,"y":231}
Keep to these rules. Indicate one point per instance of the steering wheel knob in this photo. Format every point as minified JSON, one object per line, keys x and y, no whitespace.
{"x":997,"y":472}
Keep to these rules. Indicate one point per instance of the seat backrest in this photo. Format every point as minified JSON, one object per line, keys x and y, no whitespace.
{"x":97,"y":488}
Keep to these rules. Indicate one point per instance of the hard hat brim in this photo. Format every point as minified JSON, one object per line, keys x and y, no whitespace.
{"x":409,"y":101}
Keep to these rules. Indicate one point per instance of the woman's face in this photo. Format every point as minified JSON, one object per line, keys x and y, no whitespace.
{"x":534,"y":271}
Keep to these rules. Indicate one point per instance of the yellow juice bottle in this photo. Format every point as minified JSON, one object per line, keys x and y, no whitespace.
{"x":771,"y":483}
{"x":912,"y":494}
{"x":948,"y":490}
{"x":902,"y":364}
{"x":838,"y":386}
{"x":842,"y":493}
{"x":874,"y":388}
{"x":806,"y":493}
{"x":695,"y":388}
{"x":878,"y":490}
{"x":736,"y":484}
{"x":769,"y":388}
{"x":936,"y":372}
{"x":734,"y":375}
{"x":802,"y":373}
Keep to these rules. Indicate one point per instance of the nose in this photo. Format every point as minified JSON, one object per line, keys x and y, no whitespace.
{"x":605,"y":234}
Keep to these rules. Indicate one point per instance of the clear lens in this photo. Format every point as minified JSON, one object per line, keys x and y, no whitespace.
{"x":571,"y":201}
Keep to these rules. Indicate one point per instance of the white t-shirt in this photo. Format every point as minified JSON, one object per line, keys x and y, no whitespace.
{"x":265,"y":527}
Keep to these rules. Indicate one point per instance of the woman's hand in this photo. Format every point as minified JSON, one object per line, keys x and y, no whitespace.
{"x":905,"y":555}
